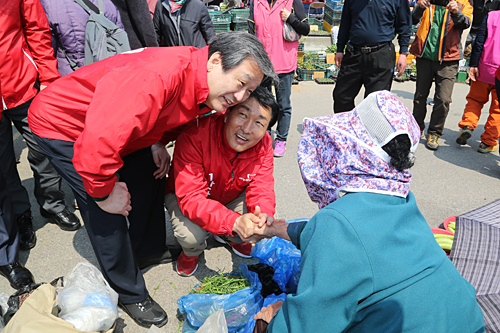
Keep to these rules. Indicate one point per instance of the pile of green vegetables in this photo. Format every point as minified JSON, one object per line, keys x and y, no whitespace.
{"x":222,"y":284}
{"x":446,"y":241}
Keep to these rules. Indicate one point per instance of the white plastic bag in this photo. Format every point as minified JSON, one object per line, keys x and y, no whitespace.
{"x":87,"y":301}
{"x":215,"y":323}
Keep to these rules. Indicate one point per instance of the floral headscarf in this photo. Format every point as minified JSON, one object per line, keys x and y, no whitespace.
{"x":338,"y":154}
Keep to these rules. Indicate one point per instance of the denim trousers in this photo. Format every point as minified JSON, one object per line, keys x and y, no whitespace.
{"x":283,"y":92}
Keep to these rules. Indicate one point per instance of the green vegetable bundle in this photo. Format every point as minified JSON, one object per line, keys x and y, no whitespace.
{"x":222,"y":284}
{"x":445,"y":241}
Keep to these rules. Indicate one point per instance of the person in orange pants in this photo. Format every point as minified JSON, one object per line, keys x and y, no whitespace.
{"x":485,"y":59}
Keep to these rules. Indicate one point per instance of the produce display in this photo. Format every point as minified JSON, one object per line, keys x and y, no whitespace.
{"x":222,"y":284}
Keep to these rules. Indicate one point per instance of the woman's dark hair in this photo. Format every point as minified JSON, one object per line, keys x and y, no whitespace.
{"x":399,"y":149}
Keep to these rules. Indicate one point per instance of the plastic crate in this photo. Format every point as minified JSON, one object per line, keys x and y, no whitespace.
{"x":239,"y":26}
{"x":218,"y":18}
{"x":222,"y":27}
{"x":240,"y":15}
{"x":308,"y":74}
{"x":333,"y":22}
{"x":329,"y":10}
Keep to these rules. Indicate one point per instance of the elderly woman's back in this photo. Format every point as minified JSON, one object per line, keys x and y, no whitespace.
{"x":369,"y":259}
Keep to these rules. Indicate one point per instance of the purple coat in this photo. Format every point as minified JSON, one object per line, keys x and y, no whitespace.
{"x":67,"y":21}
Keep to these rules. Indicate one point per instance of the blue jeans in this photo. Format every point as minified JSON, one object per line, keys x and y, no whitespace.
{"x":283,"y":92}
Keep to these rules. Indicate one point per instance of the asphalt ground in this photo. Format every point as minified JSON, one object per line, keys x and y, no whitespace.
{"x":450,"y":181}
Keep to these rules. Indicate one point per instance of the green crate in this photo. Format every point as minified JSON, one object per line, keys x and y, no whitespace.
{"x":328,"y":10}
{"x":239,"y":26}
{"x":308,"y":74}
{"x":315,"y":21}
{"x":462,"y":76}
{"x":222,"y":27}
{"x":239,"y":15}
{"x":218,"y":18}
{"x":331,"y":21}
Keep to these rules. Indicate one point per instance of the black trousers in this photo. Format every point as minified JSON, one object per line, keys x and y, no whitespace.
{"x":374,"y":70}
{"x":116,"y":244}
{"x":47,"y":181}
{"x":8,"y":227}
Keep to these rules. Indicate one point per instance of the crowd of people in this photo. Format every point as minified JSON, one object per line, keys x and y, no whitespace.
{"x":104,"y":127}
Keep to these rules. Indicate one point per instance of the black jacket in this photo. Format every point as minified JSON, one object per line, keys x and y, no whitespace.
{"x":137,"y":21}
{"x":196,"y":27}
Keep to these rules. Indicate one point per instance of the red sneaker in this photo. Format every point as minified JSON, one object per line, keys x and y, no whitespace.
{"x":243,"y":250}
{"x":186,"y":265}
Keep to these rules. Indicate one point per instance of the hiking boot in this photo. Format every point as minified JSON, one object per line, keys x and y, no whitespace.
{"x":464,"y":135}
{"x":243,"y":250}
{"x":484,"y":148}
{"x":186,"y":265}
{"x":433,"y":141}
{"x":279,"y":148}
{"x":27,"y":236}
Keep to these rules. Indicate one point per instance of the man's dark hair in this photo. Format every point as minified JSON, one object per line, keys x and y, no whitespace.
{"x":265,"y":99}
{"x":399,"y":149}
{"x":237,"y":46}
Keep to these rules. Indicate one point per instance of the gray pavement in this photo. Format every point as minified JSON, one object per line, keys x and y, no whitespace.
{"x":450,"y":181}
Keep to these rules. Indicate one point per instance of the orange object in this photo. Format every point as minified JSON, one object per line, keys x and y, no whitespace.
{"x":477,"y":97}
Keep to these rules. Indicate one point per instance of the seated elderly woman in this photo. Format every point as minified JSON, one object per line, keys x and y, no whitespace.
{"x":369,"y":259}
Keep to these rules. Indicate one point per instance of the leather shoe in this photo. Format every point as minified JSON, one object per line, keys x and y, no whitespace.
{"x":146,"y":313}
{"x":169,"y":255}
{"x":18,"y":275}
{"x":66,"y":220}
{"x":27,"y":236}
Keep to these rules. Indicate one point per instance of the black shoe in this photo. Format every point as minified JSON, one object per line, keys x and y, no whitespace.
{"x":17,"y":274}
{"x":169,"y":255}
{"x":27,"y":236}
{"x":146,"y":313}
{"x":66,"y":220}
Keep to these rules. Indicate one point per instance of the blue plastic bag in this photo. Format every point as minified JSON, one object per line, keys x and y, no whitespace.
{"x":284,"y":257}
{"x":238,"y":307}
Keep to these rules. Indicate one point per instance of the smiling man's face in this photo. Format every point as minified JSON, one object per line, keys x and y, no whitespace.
{"x":228,"y":88}
{"x":246,"y":124}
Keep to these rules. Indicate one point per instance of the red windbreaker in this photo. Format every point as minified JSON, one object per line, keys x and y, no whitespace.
{"x":26,"y":51}
{"x":121,"y":104}
{"x":207,"y":174}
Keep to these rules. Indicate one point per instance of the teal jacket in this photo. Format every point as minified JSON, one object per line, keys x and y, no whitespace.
{"x":370,"y":264}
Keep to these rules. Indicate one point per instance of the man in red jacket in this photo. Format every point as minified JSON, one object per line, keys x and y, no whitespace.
{"x":221,"y":176}
{"x":27,"y":66}
{"x":104,"y":127}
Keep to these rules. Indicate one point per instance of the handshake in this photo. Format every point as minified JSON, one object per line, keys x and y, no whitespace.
{"x":252,"y":227}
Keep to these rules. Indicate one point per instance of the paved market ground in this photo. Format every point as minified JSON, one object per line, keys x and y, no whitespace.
{"x":450,"y":181}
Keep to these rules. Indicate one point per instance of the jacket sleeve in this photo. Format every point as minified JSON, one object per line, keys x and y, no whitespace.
{"x":191,"y":188}
{"x":417,"y":13}
{"x":37,"y":33}
{"x":463,"y":18}
{"x":347,"y":261}
{"x":345,"y":27}
{"x":206,"y":25}
{"x":251,"y":21}
{"x":157,"y":22}
{"x":260,"y":192}
{"x":130,"y":103}
{"x":298,"y":19}
{"x":477,"y":47}
{"x":403,"y":25}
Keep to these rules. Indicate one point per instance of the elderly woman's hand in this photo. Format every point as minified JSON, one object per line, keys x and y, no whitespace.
{"x":267,"y":313}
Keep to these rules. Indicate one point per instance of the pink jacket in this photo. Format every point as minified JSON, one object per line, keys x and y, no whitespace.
{"x":490,"y":57}
{"x":269,"y":30}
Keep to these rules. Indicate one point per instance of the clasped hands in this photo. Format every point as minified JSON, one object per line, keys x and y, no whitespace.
{"x":252,"y":227}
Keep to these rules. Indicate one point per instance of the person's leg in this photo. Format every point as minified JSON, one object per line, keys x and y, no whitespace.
{"x":425,"y":74}
{"x":18,"y":194}
{"x":380,"y":69}
{"x":445,"y":80}
{"x":492,"y":126}
{"x":108,"y":233}
{"x":47,"y":181}
{"x":238,"y":205}
{"x":17,"y":275}
{"x":147,"y":218}
{"x":476,"y":98}
{"x":283,"y":93}
{"x":191,"y":237}
{"x":349,"y":81}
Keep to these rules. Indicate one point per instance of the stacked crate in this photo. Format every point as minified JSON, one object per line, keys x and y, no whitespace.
{"x":332,"y":14}
{"x":239,"y":19}
{"x":221,"y":21}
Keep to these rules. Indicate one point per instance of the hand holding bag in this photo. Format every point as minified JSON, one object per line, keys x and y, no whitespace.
{"x":289,"y":33}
